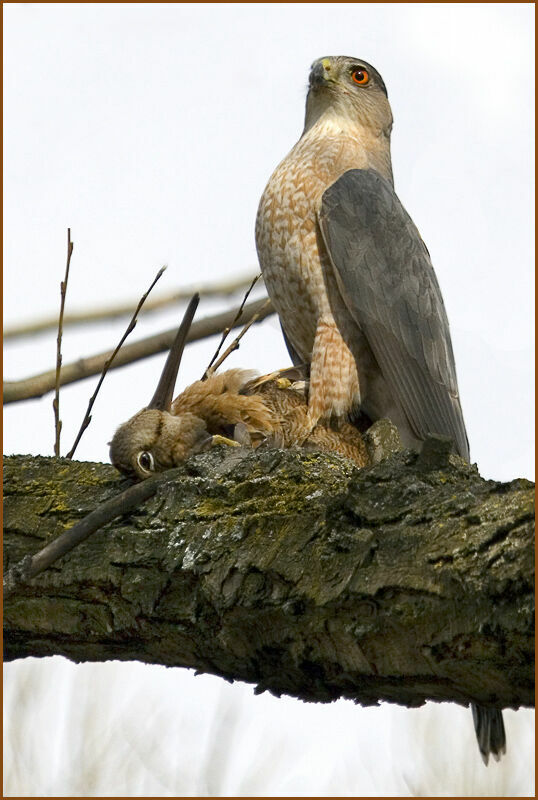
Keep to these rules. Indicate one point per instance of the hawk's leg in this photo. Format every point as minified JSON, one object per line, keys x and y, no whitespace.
{"x":334,"y":382}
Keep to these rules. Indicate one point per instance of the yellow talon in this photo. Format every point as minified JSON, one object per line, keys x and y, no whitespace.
{"x":218,"y":439}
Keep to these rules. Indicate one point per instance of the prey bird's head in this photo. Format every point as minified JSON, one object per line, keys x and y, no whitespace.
{"x":154,"y":439}
{"x":351,"y":92}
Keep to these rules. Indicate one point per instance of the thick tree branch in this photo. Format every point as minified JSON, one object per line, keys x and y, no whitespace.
{"x":38,"y":385}
{"x":406,"y":581}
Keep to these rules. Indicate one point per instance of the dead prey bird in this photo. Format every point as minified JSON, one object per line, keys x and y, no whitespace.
{"x":233,"y":407}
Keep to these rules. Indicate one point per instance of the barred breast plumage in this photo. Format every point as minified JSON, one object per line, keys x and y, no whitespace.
{"x":297,"y":270}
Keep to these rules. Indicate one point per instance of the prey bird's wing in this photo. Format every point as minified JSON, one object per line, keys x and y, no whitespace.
{"x":387,"y":282}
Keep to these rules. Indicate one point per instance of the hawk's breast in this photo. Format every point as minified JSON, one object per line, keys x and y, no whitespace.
{"x":287,"y":233}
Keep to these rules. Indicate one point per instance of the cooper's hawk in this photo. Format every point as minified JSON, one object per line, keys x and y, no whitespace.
{"x":352,"y":280}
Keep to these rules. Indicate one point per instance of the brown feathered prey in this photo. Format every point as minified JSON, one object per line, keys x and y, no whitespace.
{"x":233,"y":407}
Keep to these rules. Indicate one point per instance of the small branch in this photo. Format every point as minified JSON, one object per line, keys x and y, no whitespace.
{"x":56,"y":401}
{"x":235,"y":344}
{"x":210,"y":369}
{"x":30,"y":566}
{"x":131,"y":326}
{"x":104,"y":314}
{"x":38,"y":385}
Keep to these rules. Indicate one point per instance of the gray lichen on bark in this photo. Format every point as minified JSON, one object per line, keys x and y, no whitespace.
{"x":406,"y":581}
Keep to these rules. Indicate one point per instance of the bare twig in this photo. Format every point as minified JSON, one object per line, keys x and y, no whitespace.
{"x":122,"y":503}
{"x":56,"y":401}
{"x":38,"y":385}
{"x":235,"y":344}
{"x":104,"y":314}
{"x":210,"y":368}
{"x":130,"y":327}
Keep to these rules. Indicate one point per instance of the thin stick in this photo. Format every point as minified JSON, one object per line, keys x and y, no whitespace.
{"x":235,"y":344}
{"x":122,"y":503}
{"x":131,"y":326}
{"x":210,"y":368}
{"x":104,"y":313}
{"x":56,"y":401}
{"x":43,"y":382}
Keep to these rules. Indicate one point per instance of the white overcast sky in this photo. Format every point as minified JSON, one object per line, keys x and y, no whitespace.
{"x":151,"y":130}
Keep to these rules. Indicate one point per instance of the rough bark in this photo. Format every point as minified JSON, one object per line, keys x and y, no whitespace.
{"x":406,"y":581}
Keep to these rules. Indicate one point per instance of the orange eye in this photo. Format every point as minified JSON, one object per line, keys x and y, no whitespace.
{"x":360,"y":76}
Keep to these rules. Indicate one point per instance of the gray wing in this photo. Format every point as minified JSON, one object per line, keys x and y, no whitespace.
{"x":389,"y":287}
{"x":296,"y":359}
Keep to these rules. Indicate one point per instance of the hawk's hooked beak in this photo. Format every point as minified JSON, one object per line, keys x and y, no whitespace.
{"x":162,"y":399}
{"x":320,"y":74}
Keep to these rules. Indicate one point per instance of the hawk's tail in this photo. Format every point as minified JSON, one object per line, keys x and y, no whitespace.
{"x":489,"y":727}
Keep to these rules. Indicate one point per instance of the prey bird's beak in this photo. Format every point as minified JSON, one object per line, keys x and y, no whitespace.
{"x":162,"y":399}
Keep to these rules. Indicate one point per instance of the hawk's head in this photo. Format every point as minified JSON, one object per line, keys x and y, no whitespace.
{"x":350,"y":90}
